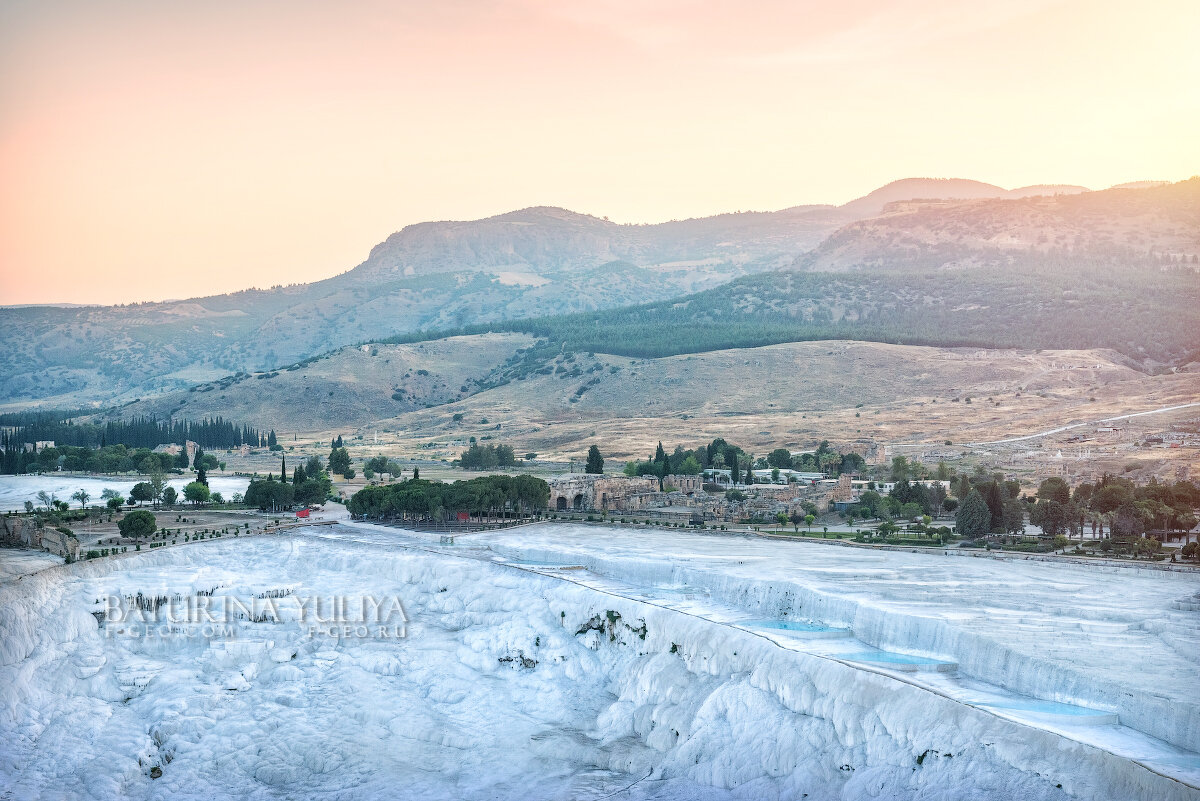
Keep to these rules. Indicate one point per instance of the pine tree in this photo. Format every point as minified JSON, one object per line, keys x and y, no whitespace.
{"x":595,"y":462}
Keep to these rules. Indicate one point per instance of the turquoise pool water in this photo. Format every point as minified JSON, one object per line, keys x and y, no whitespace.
{"x":892,"y":658}
{"x":1047,"y":707}
{"x":791,"y":625}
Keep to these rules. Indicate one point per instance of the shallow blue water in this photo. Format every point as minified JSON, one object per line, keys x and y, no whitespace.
{"x":1049,"y":707}
{"x":789,"y":625}
{"x":892,"y":658}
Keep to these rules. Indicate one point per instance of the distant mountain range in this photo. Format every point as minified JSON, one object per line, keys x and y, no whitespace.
{"x":548,"y":261}
{"x":948,"y":189}
{"x":1107,"y":226}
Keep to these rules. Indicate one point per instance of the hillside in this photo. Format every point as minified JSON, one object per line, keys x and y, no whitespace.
{"x":1051,"y":304}
{"x":545,"y":262}
{"x":1102,"y":227}
{"x":530,"y":395}
{"x":349,"y":387}
{"x":432,"y":275}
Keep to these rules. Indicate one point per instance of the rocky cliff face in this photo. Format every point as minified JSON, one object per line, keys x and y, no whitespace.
{"x":19,"y":532}
{"x":23,"y":532}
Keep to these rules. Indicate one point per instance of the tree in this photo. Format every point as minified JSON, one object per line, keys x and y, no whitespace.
{"x":1055,"y":489}
{"x":283,"y":469}
{"x":269,"y":495}
{"x":169,"y":495}
{"x":690,"y":466}
{"x":82,"y":496}
{"x":780,"y":458}
{"x":809,"y":520}
{"x":158,"y":485}
{"x":1013,"y":516}
{"x":142,"y":491}
{"x":339,"y":461}
{"x":115,"y":502}
{"x":201,"y":475}
{"x":196,"y":492}
{"x":973,"y":519}
{"x":137,"y":525}
{"x":900,"y":468}
{"x":1050,"y":516}
{"x":781,"y":519}
{"x":595,"y":462}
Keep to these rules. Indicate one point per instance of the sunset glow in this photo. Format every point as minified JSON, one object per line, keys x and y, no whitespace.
{"x":167,"y":150}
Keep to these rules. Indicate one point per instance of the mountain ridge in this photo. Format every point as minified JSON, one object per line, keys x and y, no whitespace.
{"x":526,"y":263}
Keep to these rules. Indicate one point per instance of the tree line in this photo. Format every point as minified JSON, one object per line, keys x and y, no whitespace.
{"x":722,"y":455}
{"x":487,"y":457}
{"x":107,"y":459}
{"x":310,"y":484}
{"x":420,"y":499}
{"x":71,"y":439}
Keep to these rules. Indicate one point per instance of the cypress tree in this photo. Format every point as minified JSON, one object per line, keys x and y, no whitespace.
{"x":283,"y":469}
{"x":973,"y":518}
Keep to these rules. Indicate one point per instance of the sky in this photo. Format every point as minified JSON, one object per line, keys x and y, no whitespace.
{"x":153,"y":150}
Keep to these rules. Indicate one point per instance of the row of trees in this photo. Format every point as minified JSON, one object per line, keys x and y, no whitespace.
{"x":421,"y":499}
{"x":906,"y":501}
{"x":1128,"y":510}
{"x":487,"y":457}
{"x":1125,"y":509}
{"x":722,"y":455}
{"x":310,"y":484}
{"x":106,"y":459}
{"x":139,"y":432}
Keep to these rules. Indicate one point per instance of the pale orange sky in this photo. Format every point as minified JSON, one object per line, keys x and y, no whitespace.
{"x":156,"y":149}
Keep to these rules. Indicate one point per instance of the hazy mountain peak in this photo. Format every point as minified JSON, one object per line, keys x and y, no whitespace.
{"x":872,"y":203}
{"x":547,"y":214}
{"x":1140,"y":185}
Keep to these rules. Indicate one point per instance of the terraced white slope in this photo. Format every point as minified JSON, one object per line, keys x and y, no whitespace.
{"x":625,"y":678}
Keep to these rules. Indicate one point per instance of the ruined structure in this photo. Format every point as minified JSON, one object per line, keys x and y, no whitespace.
{"x":24,"y":532}
{"x":584,"y":492}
